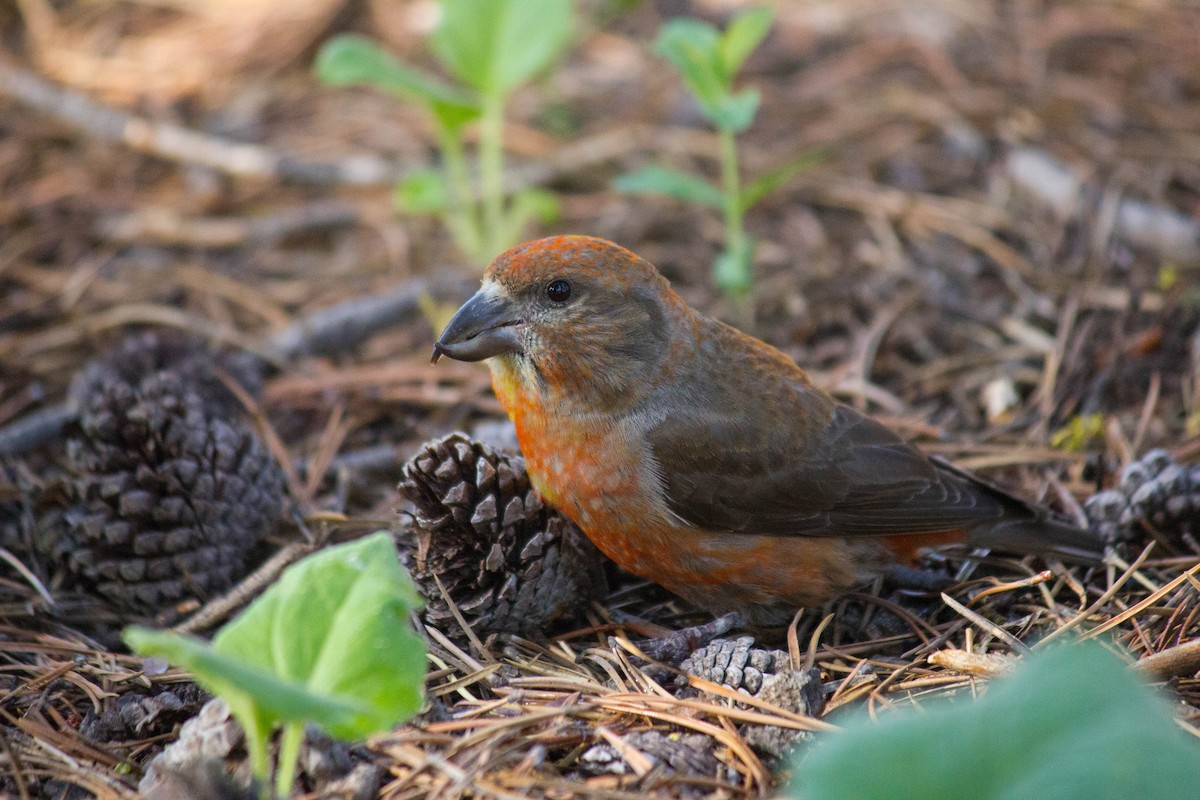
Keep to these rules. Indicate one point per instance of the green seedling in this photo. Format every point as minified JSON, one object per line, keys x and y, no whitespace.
{"x":1073,"y":723}
{"x":329,"y":643}
{"x":708,"y":61}
{"x":491,"y":48}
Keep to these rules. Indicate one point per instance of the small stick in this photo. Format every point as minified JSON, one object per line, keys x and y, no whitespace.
{"x":177,"y":143}
{"x":1180,"y":661}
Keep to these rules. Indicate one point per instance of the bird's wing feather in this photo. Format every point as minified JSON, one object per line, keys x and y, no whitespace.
{"x":842,"y":474}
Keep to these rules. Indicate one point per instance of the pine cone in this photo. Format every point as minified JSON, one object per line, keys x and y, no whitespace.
{"x":170,"y":490}
{"x":1156,"y":491}
{"x":765,"y":674}
{"x":735,"y":663}
{"x":510,"y":563}
{"x":143,"y":354}
{"x":798,"y":691}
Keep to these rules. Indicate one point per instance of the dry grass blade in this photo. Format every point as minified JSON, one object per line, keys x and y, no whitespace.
{"x":247,"y":589}
{"x":637,"y":760}
{"x":28,"y":576}
{"x":986,"y":624}
{"x":1101,"y":601}
{"x":1143,"y":604}
{"x":774,"y":712}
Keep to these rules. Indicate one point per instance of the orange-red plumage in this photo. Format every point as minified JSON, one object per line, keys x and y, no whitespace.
{"x":702,"y":458}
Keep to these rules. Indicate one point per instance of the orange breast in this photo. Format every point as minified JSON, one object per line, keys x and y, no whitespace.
{"x":594,"y":470}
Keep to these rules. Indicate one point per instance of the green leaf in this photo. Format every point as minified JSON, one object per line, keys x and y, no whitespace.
{"x":1073,"y":722}
{"x":765,"y":184}
{"x":691,"y":46}
{"x":422,"y":192}
{"x":328,"y":643}
{"x":707,"y":61}
{"x":1168,"y":276}
{"x":682,"y":40}
{"x":744,"y":34}
{"x":338,"y":623}
{"x":680,"y":185}
{"x":495,"y":46}
{"x":350,"y":60}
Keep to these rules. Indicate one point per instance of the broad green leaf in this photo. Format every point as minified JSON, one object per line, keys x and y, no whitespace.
{"x":691,"y":46}
{"x":765,"y":184}
{"x":329,"y":642}
{"x":338,"y":622}
{"x":1073,"y":723}
{"x":680,"y":185}
{"x":683,"y":36}
{"x":422,"y":192}
{"x":743,"y":35}
{"x":732,"y":271}
{"x":351,"y":60}
{"x":495,"y":46}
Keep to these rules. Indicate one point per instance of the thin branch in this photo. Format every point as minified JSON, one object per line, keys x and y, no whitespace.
{"x":177,"y":143}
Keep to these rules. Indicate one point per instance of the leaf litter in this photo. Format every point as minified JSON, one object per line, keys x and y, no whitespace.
{"x":1005,"y":200}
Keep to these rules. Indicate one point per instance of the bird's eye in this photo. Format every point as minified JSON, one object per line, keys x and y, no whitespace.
{"x":559,"y":291}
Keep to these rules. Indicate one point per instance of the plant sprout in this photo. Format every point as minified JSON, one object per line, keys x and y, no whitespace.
{"x":329,"y":643}
{"x":708,"y":61}
{"x":491,"y":48}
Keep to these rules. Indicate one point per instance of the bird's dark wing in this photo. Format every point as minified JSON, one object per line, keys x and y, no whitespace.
{"x":796,"y":463}
{"x":752,"y":446}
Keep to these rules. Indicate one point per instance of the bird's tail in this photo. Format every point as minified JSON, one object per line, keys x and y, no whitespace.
{"x":1045,"y":534}
{"x":1028,"y":528}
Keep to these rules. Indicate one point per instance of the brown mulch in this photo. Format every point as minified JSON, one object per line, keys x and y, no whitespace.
{"x":1000,"y":242}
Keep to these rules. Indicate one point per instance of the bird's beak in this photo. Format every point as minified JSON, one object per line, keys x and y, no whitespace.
{"x":485,"y":326}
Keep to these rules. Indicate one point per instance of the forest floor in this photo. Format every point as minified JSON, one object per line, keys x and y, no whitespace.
{"x":994,"y":249}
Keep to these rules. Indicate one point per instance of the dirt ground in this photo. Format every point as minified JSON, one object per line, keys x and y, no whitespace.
{"x":995,"y":252}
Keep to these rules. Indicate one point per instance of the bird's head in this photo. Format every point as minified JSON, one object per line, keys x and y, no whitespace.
{"x":573,"y":314}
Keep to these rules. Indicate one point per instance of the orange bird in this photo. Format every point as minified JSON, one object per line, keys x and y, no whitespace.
{"x":702,"y":458}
